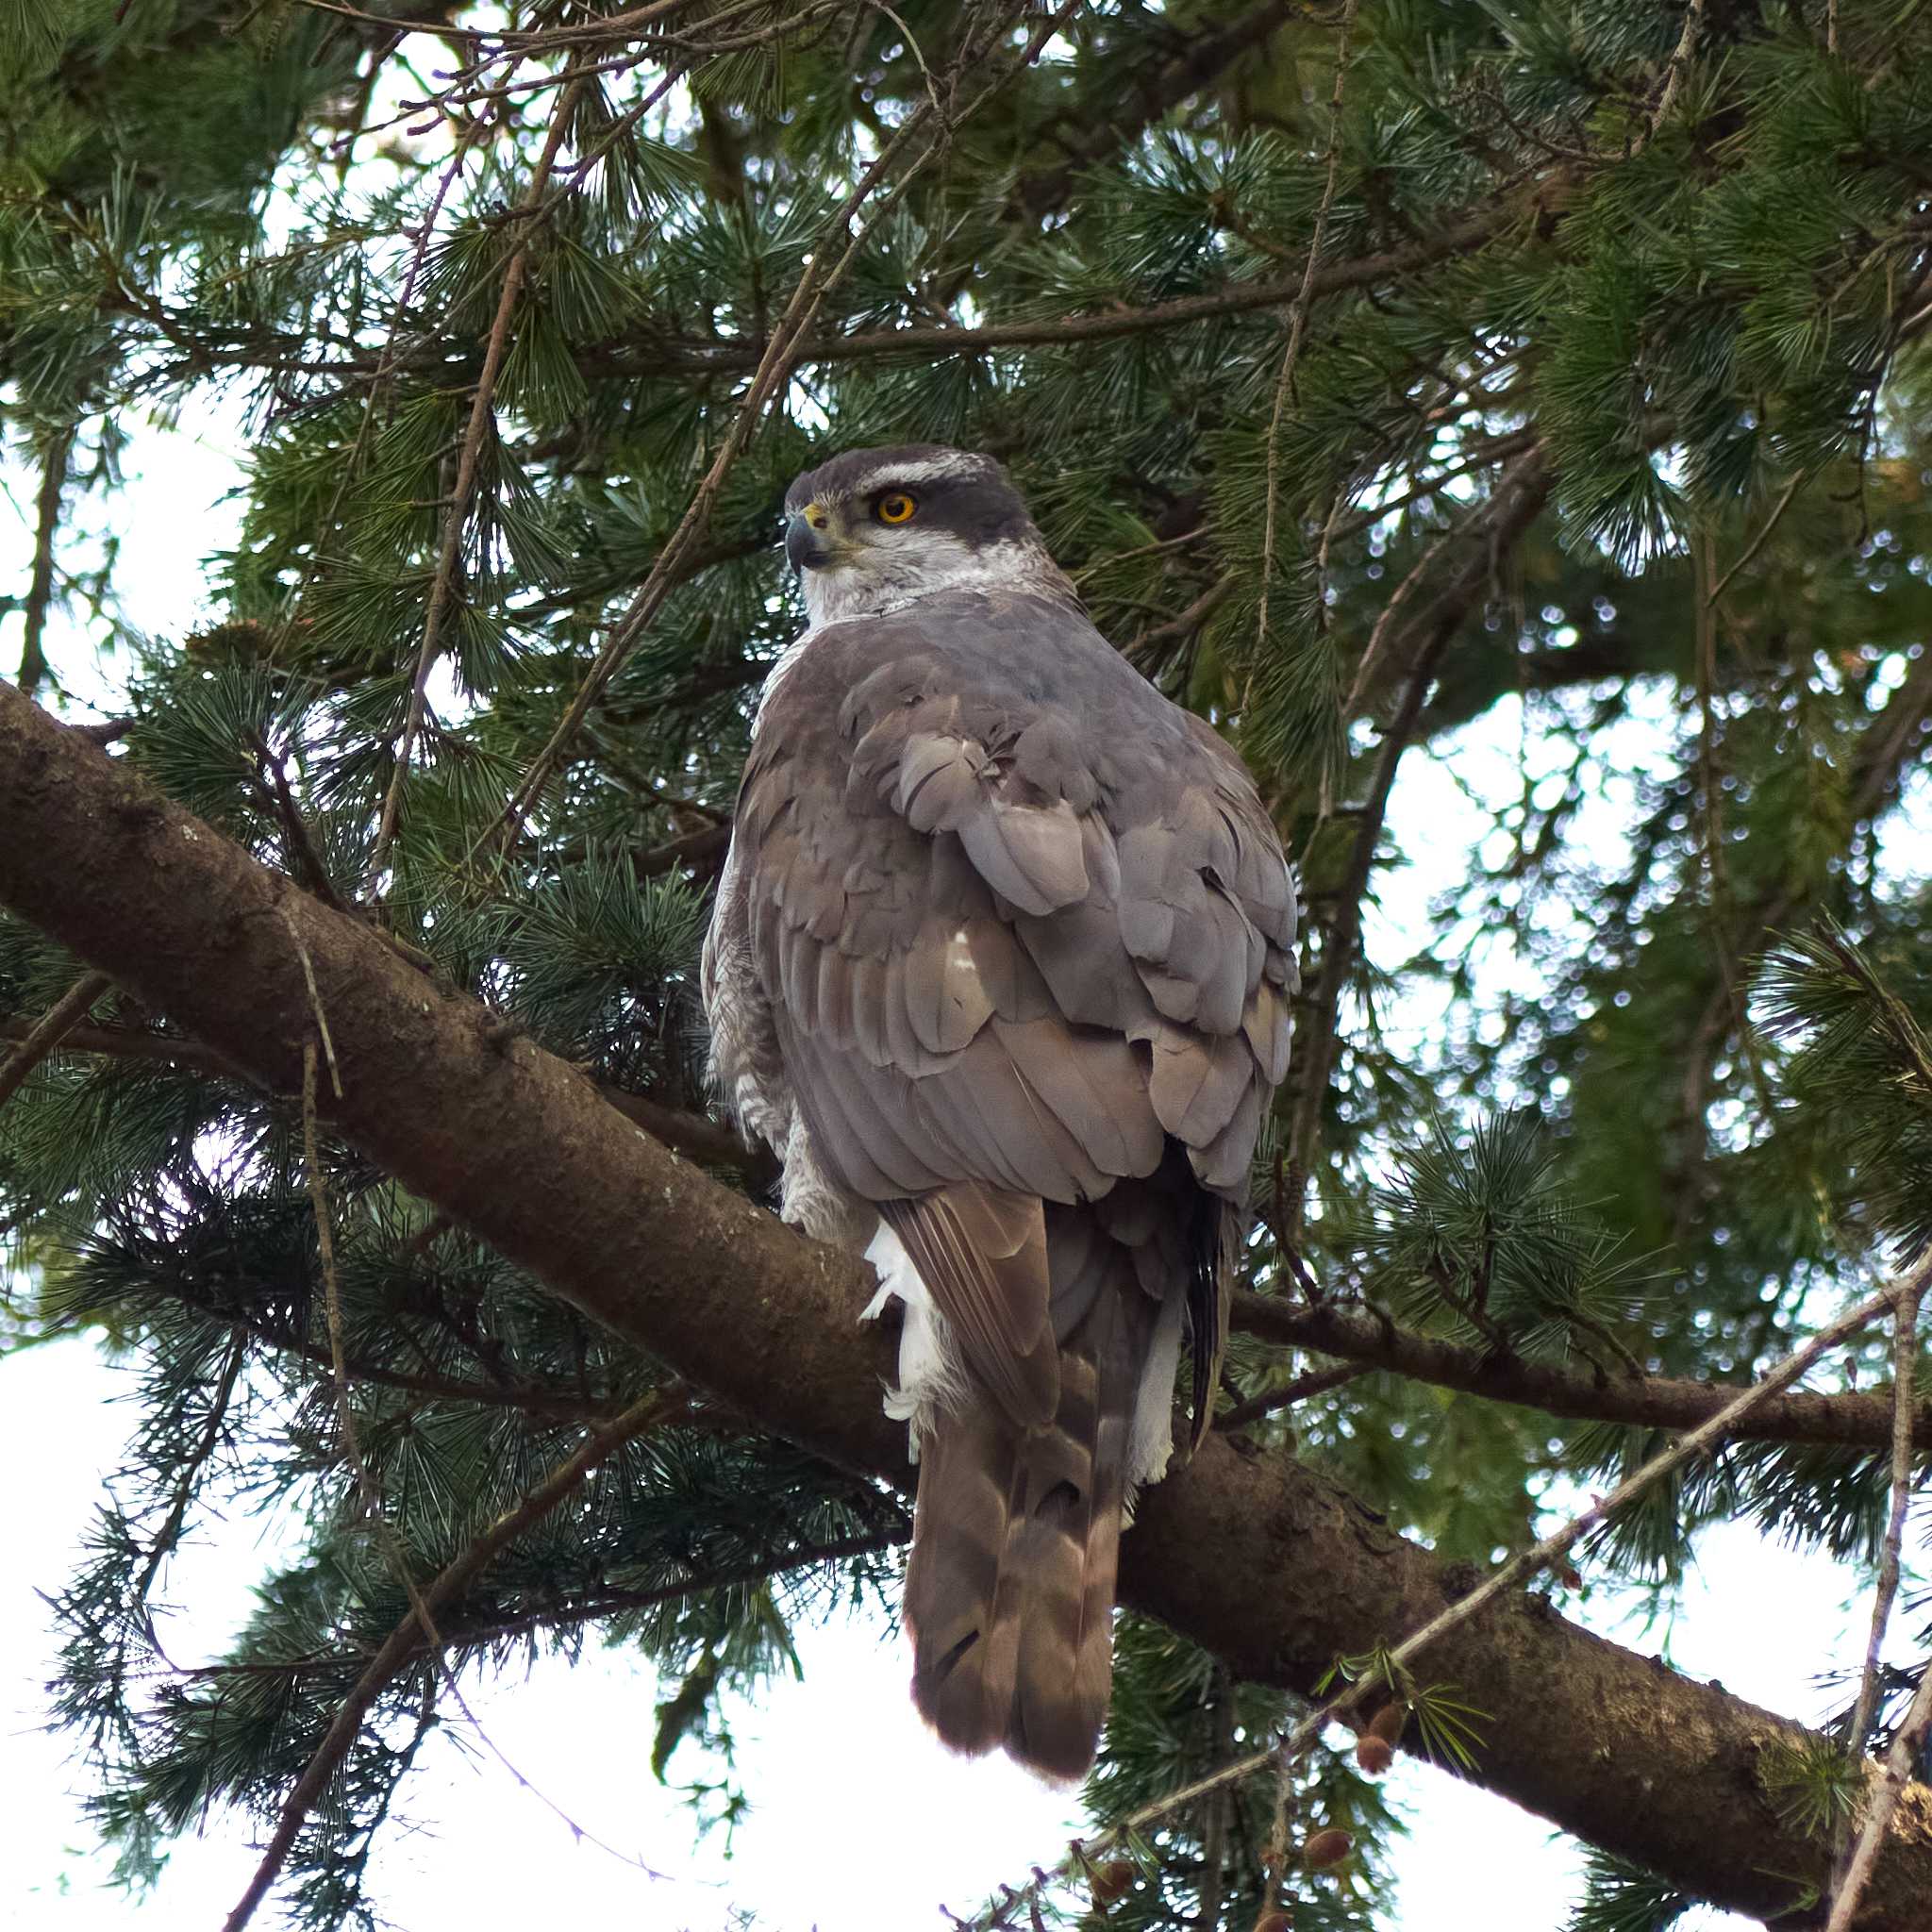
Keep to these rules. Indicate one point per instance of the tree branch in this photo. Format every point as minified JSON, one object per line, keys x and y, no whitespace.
{"x":1254,"y":1556}
{"x":1203,"y":58}
{"x":40,"y":589}
{"x":1861,"y":1421}
{"x":407,"y":1635}
{"x":38,"y":1040}
{"x":657,"y":354}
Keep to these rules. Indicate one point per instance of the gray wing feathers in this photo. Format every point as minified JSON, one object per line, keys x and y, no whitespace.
{"x":995,"y":826}
{"x":982,"y":1252}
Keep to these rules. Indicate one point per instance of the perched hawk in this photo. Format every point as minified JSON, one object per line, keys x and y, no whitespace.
{"x":1000,"y":968}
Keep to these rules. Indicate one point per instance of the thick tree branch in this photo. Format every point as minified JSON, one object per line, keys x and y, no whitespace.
{"x":1258,"y":1559}
{"x":690,"y":1134}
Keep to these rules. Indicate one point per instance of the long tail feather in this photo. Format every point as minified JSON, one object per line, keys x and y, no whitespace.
{"x":1010,"y":1587}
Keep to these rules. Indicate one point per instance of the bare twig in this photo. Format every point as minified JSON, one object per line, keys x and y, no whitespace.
{"x":1297,"y":328}
{"x":1904,"y":1357}
{"x":1757,"y":542}
{"x":328,"y":1045}
{"x":59,"y":1020}
{"x":1384,"y":618}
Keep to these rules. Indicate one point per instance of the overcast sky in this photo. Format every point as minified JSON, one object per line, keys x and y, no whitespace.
{"x":861,"y":1824}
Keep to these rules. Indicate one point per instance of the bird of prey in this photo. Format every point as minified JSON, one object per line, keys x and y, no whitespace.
{"x":1000,"y":968}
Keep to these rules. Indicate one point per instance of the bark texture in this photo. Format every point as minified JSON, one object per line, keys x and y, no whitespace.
{"x":1257,"y":1557}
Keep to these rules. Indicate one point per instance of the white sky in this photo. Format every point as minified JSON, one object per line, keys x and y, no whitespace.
{"x":861,"y":1824}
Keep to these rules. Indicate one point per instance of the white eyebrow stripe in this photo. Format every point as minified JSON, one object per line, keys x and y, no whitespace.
{"x":933,"y":470}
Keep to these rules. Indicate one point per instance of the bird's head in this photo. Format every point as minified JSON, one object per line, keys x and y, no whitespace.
{"x":877,"y":530}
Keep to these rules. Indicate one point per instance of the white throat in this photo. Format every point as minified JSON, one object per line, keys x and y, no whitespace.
{"x":885,"y":584}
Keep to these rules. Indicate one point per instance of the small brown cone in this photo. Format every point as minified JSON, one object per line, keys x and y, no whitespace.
{"x":1326,"y":1847}
{"x":1272,"y":1919}
{"x":1374,"y":1754}
{"x":1388,"y":1722}
{"x":1110,"y":1881}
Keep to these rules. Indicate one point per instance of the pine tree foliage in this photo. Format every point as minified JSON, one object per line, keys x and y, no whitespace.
{"x":1602,"y":449}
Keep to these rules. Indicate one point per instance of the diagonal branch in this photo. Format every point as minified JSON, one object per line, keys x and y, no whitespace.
{"x":1905,"y":1360}
{"x":521,"y":1149}
{"x":480,"y":430}
{"x":1198,"y":64}
{"x":826,"y":267}
{"x":40,"y":1040}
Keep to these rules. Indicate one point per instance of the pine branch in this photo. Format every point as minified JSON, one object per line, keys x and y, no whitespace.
{"x":1647,"y":1402}
{"x":40,"y":589}
{"x":518,"y":1146}
{"x":404,"y":1642}
{"x":1505,"y":1578}
{"x":827,"y":266}
{"x":656,"y":353}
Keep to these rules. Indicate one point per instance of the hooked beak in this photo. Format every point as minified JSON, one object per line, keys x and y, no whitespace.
{"x":805,"y":547}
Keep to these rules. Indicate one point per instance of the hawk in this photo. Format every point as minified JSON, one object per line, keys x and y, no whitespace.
{"x":1000,"y":968}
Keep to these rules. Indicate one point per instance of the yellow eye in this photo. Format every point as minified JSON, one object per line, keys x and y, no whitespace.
{"x":895,"y":506}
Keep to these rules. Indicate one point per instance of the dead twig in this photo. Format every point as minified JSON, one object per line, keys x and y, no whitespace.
{"x":39,"y":589}
{"x":1904,"y":1356}
{"x":59,"y":1020}
{"x":328,"y":1045}
{"x":1316,"y":1382}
